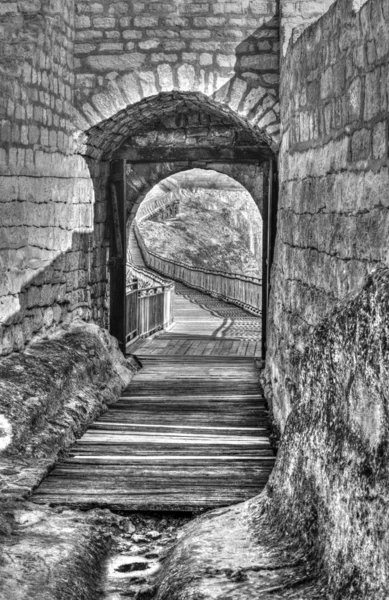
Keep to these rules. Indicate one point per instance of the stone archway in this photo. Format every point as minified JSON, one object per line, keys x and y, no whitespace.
{"x":165,"y":134}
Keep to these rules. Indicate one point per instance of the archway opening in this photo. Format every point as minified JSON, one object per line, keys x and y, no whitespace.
{"x":203,"y":219}
{"x":164,"y":135}
{"x":202,"y":230}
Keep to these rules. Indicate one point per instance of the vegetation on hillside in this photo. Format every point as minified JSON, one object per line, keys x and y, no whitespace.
{"x":217,"y":229}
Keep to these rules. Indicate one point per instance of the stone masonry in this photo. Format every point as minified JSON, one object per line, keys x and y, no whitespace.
{"x":46,"y":193}
{"x":126,"y":51}
{"x":333,"y":223}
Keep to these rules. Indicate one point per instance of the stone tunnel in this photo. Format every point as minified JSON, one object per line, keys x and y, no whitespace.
{"x":194,"y":299}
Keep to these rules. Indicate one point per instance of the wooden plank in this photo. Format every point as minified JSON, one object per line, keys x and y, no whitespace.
{"x":189,"y":433}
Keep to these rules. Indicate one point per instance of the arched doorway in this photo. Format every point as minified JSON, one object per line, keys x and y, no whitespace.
{"x":167,"y":134}
{"x":201,"y":222}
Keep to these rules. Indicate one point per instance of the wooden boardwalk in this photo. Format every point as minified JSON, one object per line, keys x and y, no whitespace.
{"x":205,"y":326}
{"x":190,"y":431}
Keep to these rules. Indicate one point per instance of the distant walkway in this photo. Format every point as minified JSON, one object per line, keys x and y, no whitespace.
{"x":205,"y":326}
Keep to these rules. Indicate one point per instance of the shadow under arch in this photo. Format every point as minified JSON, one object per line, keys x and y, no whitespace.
{"x":162,"y":135}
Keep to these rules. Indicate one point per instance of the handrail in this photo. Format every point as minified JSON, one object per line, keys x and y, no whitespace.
{"x":148,"y":208}
{"x":149,"y":310}
{"x":150,"y":277}
{"x":242,"y":290}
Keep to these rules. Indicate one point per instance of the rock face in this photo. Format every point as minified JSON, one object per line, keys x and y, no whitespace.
{"x":331,"y":480}
{"x":53,"y":555}
{"x":235,"y":554}
{"x":325,"y":503}
{"x":49,"y":394}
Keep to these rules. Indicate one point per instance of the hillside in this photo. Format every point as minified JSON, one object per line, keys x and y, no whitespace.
{"x":217,"y":229}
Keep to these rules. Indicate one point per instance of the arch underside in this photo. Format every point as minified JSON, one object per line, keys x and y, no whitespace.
{"x":192,"y":116}
{"x":177,"y":131}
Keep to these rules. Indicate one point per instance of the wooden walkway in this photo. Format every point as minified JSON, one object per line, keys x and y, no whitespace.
{"x":205,"y":326}
{"x":188,"y":433}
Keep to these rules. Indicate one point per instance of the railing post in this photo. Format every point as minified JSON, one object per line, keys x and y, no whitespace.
{"x":269,"y":237}
{"x":117,"y":262}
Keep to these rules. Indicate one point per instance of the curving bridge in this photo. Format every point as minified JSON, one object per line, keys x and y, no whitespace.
{"x":190,"y":432}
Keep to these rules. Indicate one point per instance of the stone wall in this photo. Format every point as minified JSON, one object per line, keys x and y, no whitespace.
{"x":329,"y":488}
{"x":126,"y":51}
{"x":49,"y":394}
{"x":44,"y":194}
{"x":297,"y":15}
{"x":49,"y":271}
{"x":333,"y":221}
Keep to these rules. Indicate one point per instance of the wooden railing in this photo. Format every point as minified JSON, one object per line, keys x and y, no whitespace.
{"x":149,"y":310}
{"x":144,"y":277}
{"x":241,"y":290}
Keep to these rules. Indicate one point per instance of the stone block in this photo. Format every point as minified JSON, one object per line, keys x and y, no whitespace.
{"x":148,"y":83}
{"x":186,"y":77}
{"x":262,"y":62}
{"x":372,"y":94}
{"x":165,"y":77}
{"x":189,"y":57}
{"x":176,"y":22}
{"x":259,"y":7}
{"x":110,"y":47}
{"x":195,"y":34}
{"x":237,"y":92}
{"x":149,"y":44}
{"x":205,"y":46}
{"x":129,"y":87}
{"x":162,"y":7}
{"x":150,"y":21}
{"x":209,"y":22}
{"x":116,"y":63}
{"x":195,"y":8}
{"x":88,"y":35}
{"x":361,"y":145}
{"x":112,"y":35}
{"x":163,"y":57}
{"x":225,"y":60}
{"x":132,"y":34}
{"x":380,"y":140}
{"x":175,"y":45}
{"x":206,"y":59}
{"x":82,"y":21}
{"x":104,"y":22}
{"x":354,"y":99}
{"x":125,"y":21}
{"x":118,"y":8}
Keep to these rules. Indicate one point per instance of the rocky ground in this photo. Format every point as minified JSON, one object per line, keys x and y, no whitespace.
{"x":60,"y":554}
{"x":141,"y":545}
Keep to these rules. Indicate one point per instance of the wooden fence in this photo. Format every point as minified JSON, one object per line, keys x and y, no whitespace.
{"x":149,"y":310}
{"x":243,"y":291}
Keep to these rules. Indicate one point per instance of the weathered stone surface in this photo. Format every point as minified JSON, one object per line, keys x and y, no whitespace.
{"x":52,"y":555}
{"x":119,"y":63}
{"x":333,"y":216}
{"x":319,"y":530}
{"x":331,"y":480}
{"x":50,"y":393}
{"x":236,"y":553}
